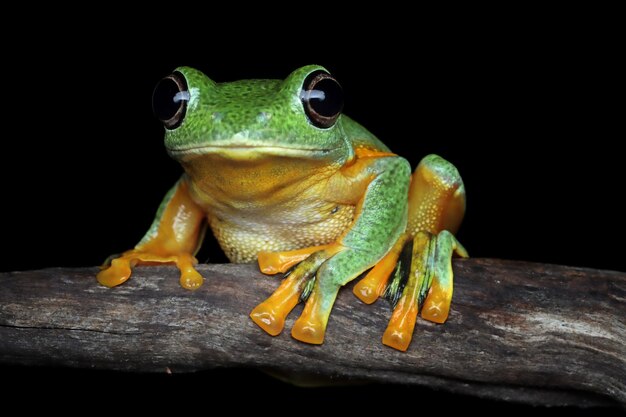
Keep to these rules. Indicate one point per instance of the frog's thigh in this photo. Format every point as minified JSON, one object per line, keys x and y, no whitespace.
{"x":436,"y":197}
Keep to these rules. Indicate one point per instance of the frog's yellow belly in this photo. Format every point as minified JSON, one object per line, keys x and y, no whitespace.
{"x":268,"y":203}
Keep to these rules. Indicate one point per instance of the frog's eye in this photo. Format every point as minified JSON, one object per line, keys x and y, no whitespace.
{"x":322,"y":98}
{"x":169,"y":100}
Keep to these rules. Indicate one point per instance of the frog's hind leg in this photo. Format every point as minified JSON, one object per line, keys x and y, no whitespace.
{"x":422,"y":278}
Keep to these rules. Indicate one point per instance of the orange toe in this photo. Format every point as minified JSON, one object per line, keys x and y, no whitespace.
{"x":268,"y":318}
{"x":365,"y":291}
{"x":273,"y":262}
{"x":437,"y":305}
{"x":309,"y":331}
{"x":191,"y":280}
{"x":399,"y":332}
{"x":276,"y":262}
{"x":373,"y":285}
{"x":397,"y":339}
{"x":116,"y":274}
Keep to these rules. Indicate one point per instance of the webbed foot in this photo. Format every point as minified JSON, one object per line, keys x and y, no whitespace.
{"x":428,"y":286}
{"x":299,"y":284}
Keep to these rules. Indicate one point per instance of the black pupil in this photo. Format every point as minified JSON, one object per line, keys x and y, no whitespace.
{"x":163,"y":99}
{"x":332,"y":101}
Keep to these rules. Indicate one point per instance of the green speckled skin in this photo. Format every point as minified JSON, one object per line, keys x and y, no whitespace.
{"x":268,"y":179}
{"x":258,"y":112}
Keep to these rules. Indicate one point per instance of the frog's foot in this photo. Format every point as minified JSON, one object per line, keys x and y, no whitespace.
{"x":298,"y":283}
{"x":117,"y":271}
{"x":428,"y":286}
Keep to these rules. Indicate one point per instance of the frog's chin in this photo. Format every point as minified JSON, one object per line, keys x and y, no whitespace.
{"x":248,"y":152}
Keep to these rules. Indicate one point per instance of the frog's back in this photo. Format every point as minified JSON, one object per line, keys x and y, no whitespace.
{"x":361,"y":137}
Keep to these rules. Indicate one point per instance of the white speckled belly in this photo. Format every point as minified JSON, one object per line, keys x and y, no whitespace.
{"x":243,"y":235}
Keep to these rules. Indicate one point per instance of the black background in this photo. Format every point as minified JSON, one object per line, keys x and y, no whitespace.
{"x":528,"y":116}
{"x":532,"y":134}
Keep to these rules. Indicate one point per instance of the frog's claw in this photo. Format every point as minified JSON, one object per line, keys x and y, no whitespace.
{"x":117,"y":271}
{"x":428,"y":286}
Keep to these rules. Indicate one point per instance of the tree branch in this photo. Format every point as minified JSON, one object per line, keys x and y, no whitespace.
{"x":540,"y":334}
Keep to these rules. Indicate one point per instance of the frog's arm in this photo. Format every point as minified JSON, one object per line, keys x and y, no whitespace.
{"x":378,"y":183}
{"x":174,"y":237}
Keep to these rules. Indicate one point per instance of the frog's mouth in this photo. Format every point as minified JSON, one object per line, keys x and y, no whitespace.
{"x":249,"y":151}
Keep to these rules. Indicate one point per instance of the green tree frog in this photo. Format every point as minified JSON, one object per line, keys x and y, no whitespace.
{"x":283,"y":177}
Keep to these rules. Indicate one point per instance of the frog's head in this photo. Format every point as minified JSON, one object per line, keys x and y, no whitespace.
{"x":249,"y":120}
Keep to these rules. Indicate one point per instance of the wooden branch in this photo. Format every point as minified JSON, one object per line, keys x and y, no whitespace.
{"x":533,"y":333}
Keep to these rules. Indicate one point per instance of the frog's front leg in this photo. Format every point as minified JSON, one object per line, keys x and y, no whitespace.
{"x":380,"y":220}
{"x":423,"y":276}
{"x":174,"y":237}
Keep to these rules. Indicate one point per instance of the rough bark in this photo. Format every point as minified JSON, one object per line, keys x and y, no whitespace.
{"x":541,"y":334}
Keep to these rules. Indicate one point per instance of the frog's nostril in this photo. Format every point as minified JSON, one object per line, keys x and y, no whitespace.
{"x":263,"y":117}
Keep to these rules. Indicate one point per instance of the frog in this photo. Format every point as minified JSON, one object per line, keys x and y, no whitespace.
{"x":284,"y":178}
